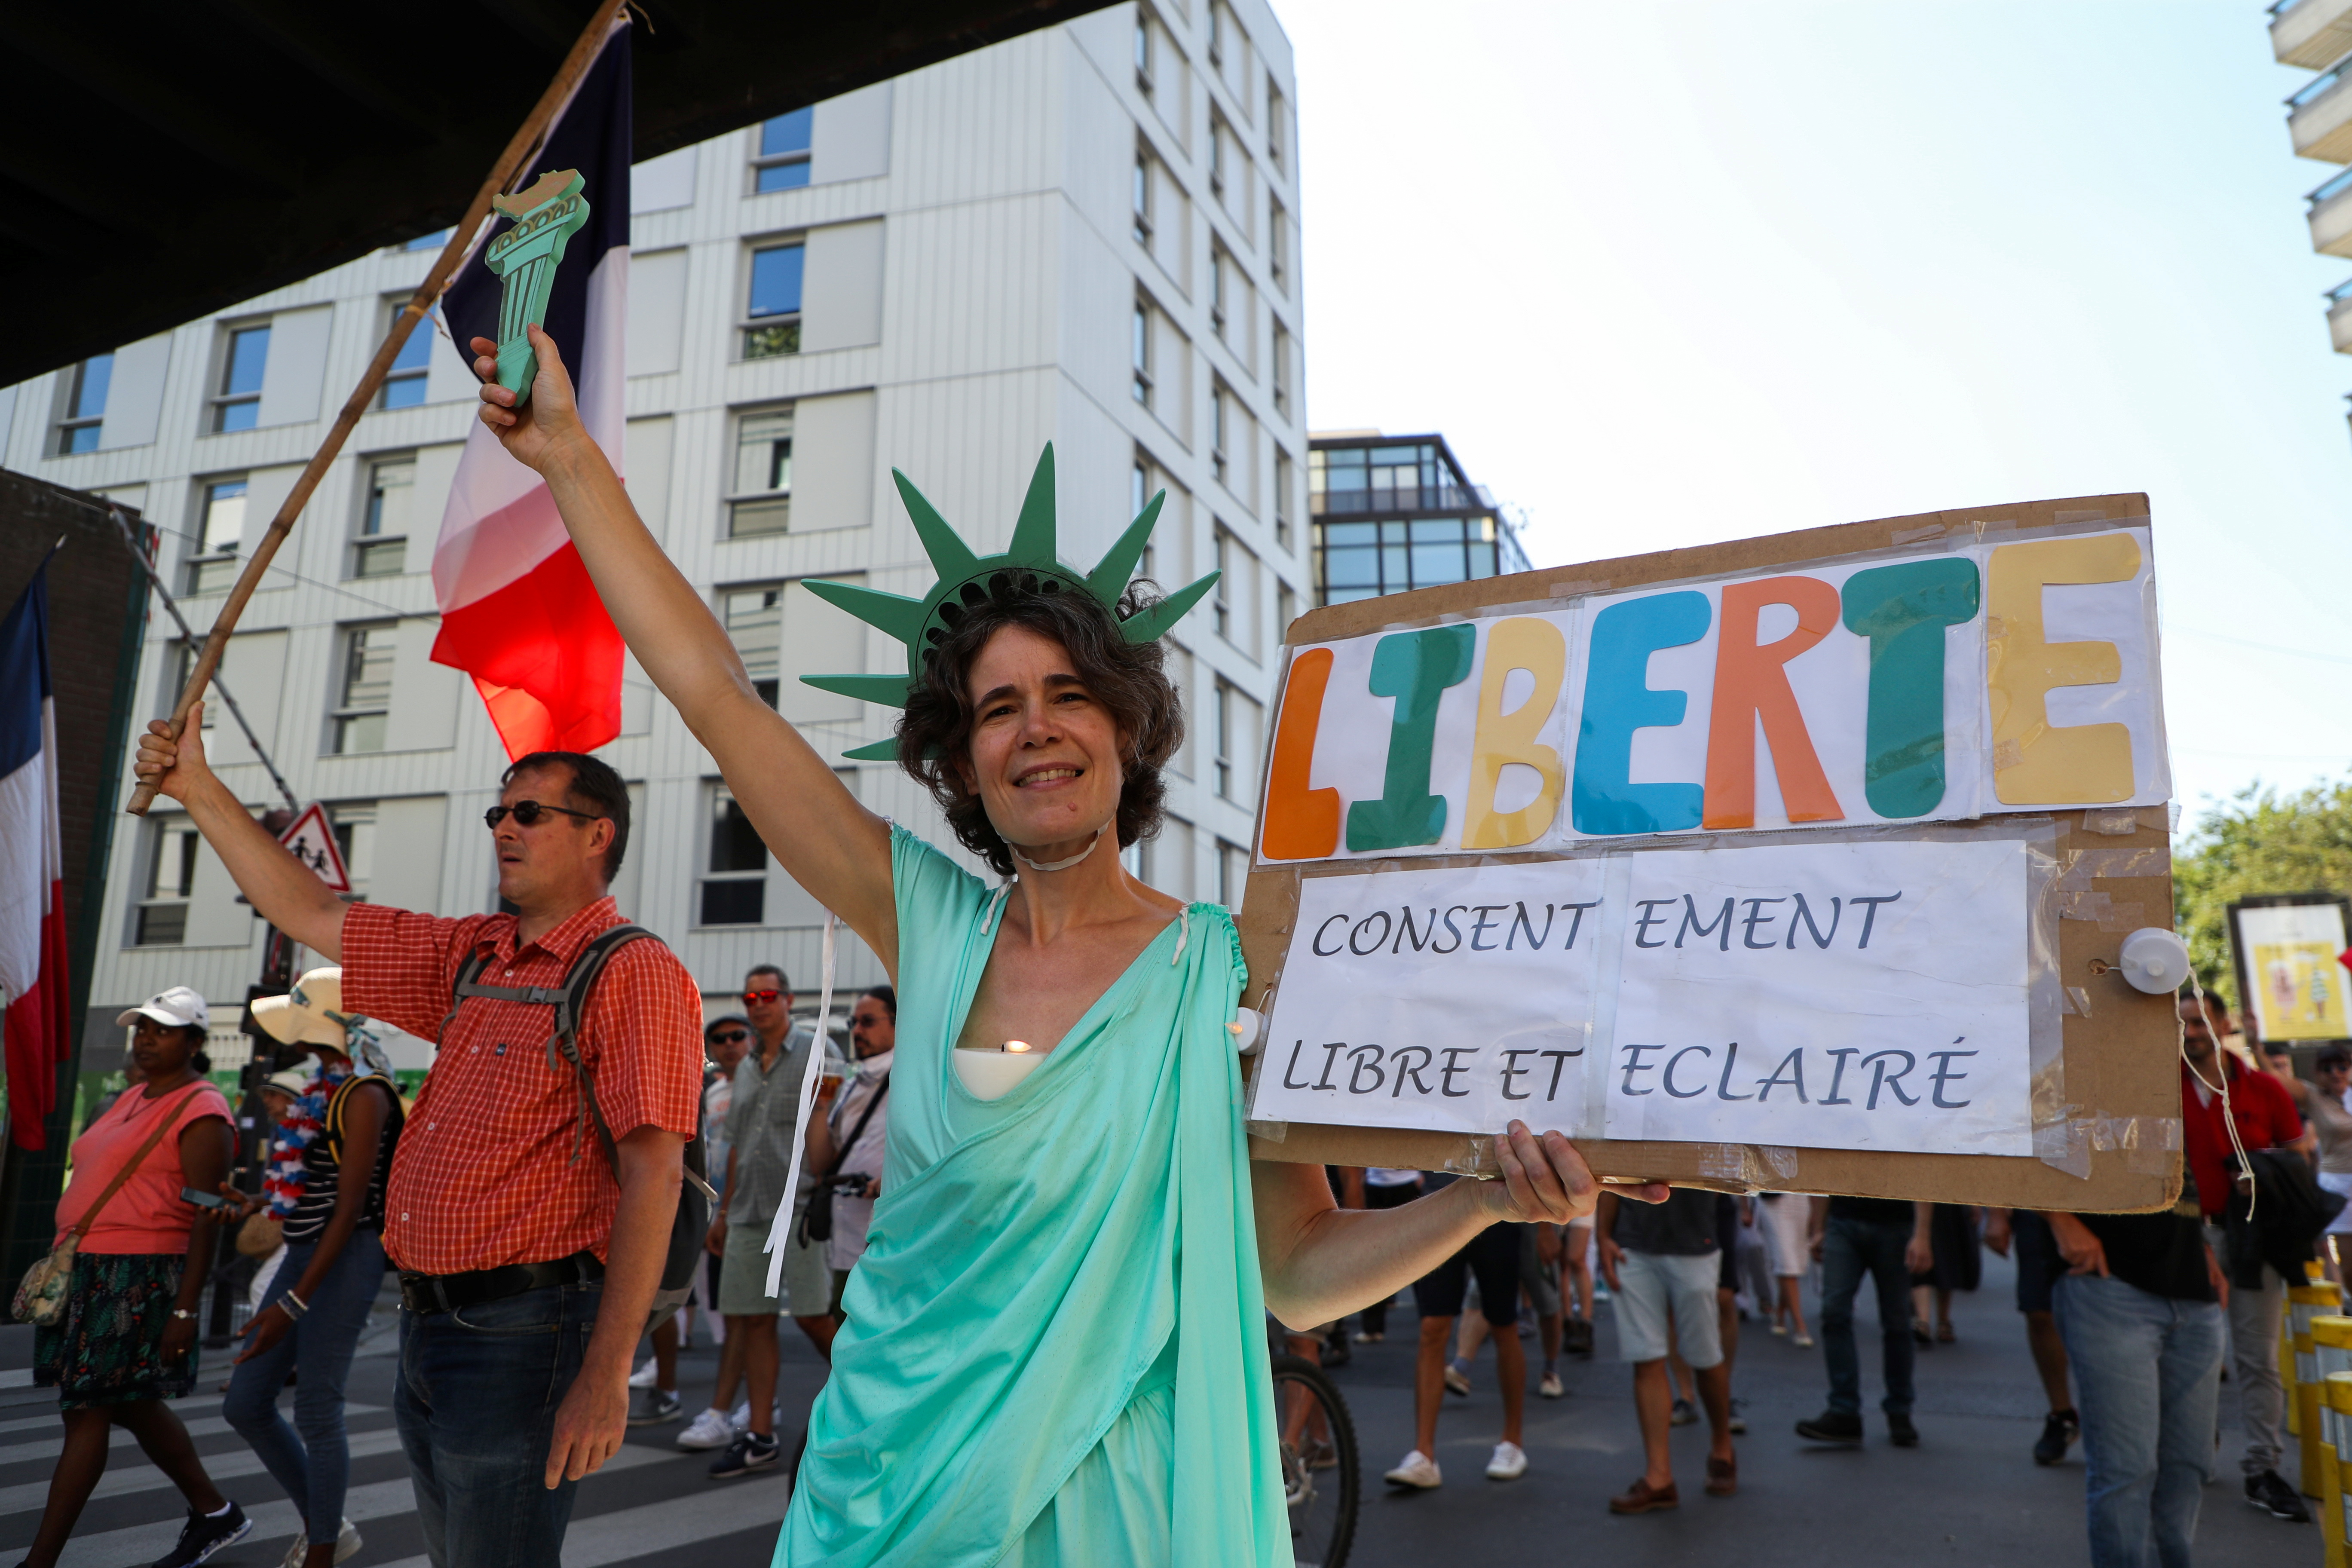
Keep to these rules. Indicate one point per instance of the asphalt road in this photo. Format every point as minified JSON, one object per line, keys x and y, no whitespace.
{"x":1969,"y":1495}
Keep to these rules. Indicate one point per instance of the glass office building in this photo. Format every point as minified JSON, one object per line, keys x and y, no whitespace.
{"x":1394,"y":512}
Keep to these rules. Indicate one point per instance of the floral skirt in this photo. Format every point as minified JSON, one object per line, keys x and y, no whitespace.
{"x":107,"y":1348}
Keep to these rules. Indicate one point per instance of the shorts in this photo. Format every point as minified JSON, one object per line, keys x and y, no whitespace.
{"x":1493,"y":1254}
{"x":1653,"y":1288}
{"x":1784,"y":1219}
{"x":2340,"y":1184}
{"x":744,"y":1279}
{"x":1540,"y":1280}
{"x":2039,"y":1265}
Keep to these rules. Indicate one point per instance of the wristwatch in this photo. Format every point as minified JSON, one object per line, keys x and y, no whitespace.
{"x":183,"y":1312}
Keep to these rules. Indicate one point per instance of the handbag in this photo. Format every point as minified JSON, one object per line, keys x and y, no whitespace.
{"x":816,"y":1220}
{"x":41,"y":1296}
{"x":260,"y":1235}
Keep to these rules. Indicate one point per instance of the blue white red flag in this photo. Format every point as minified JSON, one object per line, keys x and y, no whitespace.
{"x":32,"y":868}
{"x":517,"y":611}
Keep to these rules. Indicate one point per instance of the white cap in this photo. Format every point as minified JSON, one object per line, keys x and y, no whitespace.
{"x":310,"y":1015}
{"x":179,"y":1007}
{"x":291,"y":1081}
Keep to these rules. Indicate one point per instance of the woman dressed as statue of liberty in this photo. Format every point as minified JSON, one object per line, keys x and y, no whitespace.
{"x":1056,"y":1348}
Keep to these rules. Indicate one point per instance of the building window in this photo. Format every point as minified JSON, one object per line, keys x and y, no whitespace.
{"x":1282,"y":483}
{"x":1220,"y":263}
{"x":1216,"y":34}
{"x":762,"y":502}
{"x":1286,"y":609}
{"x":85,"y":405}
{"x":162,"y":919}
{"x":382,"y":548}
{"x":1358,"y":559}
{"x":1143,"y":51}
{"x":735,"y":877}
{"x":1232,"y":874}
{"x":1141,"y":352}
{"x":1218,"y":398}
{"x":363,"y":697}
{"x":1277,"y":245}
{"x":1281,"y":370}
{"x":1142,"y":196}
{"x":433,"y":241}
{"x":772,"y":315}
{"x":353,"y":824}
{"x":754,"y":618}
{"x":1138,"y":486}
{"x":1277,"y":126}
{"x":1223,"y":735}
{"x":404,"y":386}
{"x":220,"y":529}
{"x":1218,"y":136}
{"x":1221,"y":601}
{"x":783,"y":160}
{"x":236,"y":406}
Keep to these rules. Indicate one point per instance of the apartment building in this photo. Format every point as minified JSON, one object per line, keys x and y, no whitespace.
{"x":2316,"y":35}
{"x":1087,"y":235}
{"x":1392,"y":513}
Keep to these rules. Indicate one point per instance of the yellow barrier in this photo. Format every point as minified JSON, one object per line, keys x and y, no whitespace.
{"x":2305,"y":1302}
{"x":2339,"y":1402}
{"x":2331,"y":1338}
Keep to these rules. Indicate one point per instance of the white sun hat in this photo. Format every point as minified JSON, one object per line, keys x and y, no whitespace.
{"x":310,"y":1015}
{"x":177,"y":1007}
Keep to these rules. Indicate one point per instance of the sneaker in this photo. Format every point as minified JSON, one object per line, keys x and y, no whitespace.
{"x":747,"y":1452}
{"x":1682,"y":1414}
{"x":1803,"y":1342}
{"x":1369,"y":1337}
{"x":740,"y":1418}
{"x":1456,"y":1382}
{"x":1842,"y":1426}
{"x":347,"y":1546}
{"x":1509,"y":1462}
{"x":1779,"y":1326}
{"x":2266,"y":1492}
{"x":1416,"y":1469}
{"x":643,"y":1376}
{"x":203,"y":1535}
{"x":712,"y":1429}
{"x":1551,"y":1387}
{"x":1899,"y":1430}
{"x":660,"y":1410}
{"x":2058,"y":1430}
{"x":1739,"y":1418}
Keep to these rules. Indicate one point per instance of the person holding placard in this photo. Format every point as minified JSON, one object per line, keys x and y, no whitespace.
{"x":1029,"y":1225}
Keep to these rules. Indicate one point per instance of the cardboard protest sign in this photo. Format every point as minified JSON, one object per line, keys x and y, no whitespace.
{"x":1797,"y":862}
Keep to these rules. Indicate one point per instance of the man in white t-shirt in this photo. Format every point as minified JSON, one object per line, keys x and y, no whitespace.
{"x":873,"y":1037}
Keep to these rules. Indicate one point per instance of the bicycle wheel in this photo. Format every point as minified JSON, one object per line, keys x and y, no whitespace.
{"x":1320,"y":1478}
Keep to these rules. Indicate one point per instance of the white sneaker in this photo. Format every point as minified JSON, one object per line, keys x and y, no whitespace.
{"x":1509,"y":1462}
{"x":709,"y":1430}
{"x":1416,"y":1469}
{"x":347,"y":1546}
{"x":1551,"y":1387}
{"x":643,"y":1376}
{"x":740,"y":1418}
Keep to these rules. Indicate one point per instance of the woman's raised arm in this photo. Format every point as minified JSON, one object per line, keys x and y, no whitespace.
{"x":832,"y":846}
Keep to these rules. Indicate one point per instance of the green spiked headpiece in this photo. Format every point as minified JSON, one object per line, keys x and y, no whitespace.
{"x":966,"y":581}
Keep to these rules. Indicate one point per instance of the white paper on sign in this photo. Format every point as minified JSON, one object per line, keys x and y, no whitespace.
{"x":1452,"y":999}
{"x":1855,"y":995}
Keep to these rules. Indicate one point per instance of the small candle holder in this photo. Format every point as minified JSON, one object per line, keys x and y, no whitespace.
{"x":991,"y":1072}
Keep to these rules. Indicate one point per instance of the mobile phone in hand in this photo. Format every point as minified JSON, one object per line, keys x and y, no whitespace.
{"x":203,"y":1200}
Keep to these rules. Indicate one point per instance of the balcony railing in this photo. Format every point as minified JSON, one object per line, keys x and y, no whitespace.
{"x":1396,"y":503}
{"x":2329,"y":214}
{"x":2319,"y":116}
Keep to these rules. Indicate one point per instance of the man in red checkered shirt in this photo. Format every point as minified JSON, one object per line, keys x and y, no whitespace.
{"x":528,"y":1263}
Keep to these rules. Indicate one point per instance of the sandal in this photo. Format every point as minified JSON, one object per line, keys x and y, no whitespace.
{"x":1944,"y":1334}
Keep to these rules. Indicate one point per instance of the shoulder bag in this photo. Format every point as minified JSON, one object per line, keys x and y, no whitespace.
{"x":41,"y":1296}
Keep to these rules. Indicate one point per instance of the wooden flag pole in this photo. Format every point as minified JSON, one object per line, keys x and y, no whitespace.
{"x":526,"y":141}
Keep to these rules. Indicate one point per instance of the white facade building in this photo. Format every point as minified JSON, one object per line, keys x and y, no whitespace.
{"x":1087,"y":235}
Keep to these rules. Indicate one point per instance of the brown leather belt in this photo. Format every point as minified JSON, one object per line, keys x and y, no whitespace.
{"x":429,"y":1293}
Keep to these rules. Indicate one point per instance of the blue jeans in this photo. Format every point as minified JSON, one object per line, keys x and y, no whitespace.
{"x":2147,"y":1380}
{"x":1852,"y":1248}
{"x":476,"y":1408}
{"x":311,"y":1459}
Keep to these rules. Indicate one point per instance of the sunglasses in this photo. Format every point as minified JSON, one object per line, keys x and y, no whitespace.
{"x":528,"y":812}
{"x":752,"y":996}
{"x":731,"y":1038}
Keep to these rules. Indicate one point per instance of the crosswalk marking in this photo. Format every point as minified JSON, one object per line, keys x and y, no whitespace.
{"x":624,"y":1533}
{"x":222,"y":1466}
{"x":377,"y":1500}
{"x":48,"y":1447}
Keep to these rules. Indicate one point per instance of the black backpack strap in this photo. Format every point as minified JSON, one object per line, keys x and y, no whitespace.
{"x":571,"y":1004}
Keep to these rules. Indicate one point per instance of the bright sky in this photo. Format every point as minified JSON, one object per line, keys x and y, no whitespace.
{"x":1669,"y":273}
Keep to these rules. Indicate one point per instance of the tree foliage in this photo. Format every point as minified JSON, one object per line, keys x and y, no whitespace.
{"x":2256,"y":843}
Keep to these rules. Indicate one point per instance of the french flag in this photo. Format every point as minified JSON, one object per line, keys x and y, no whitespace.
{"x":32,"y":868}
{"x":517,"y":611}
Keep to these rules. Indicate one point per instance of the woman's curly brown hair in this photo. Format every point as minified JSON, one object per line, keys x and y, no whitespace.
{"x":1130,"y":680}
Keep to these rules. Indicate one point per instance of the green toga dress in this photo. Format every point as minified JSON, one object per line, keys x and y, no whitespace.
{"x":1055,"y":1349}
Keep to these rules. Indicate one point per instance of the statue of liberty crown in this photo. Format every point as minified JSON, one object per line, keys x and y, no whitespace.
{"x":967,"y":580}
